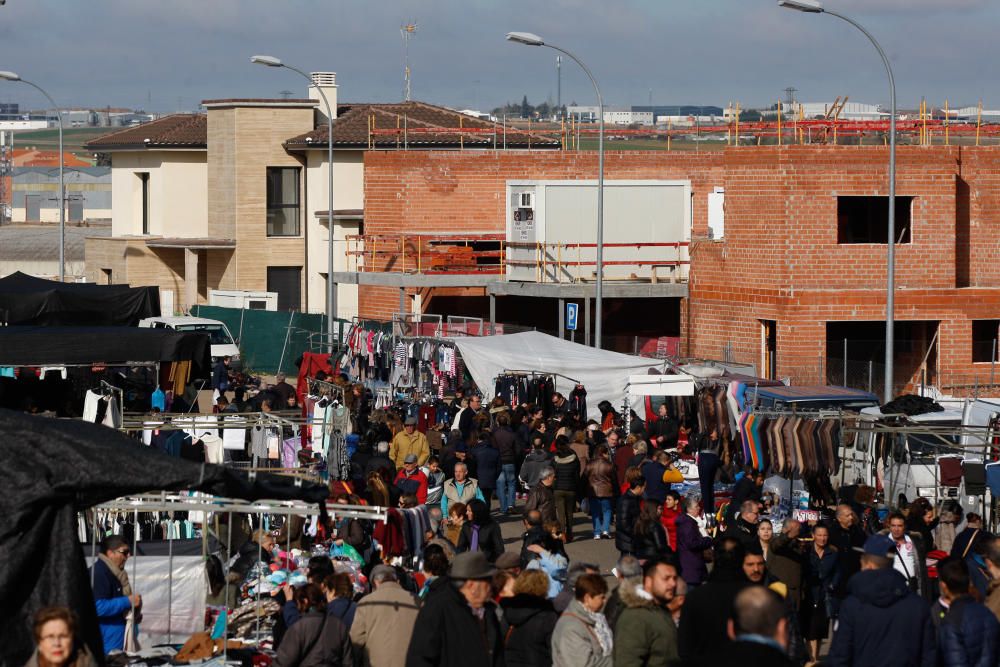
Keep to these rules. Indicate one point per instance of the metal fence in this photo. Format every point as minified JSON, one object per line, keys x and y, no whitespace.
{"x":269,"y":340}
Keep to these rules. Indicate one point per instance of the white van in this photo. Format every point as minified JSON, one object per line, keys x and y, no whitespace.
{"x":222,"y":341}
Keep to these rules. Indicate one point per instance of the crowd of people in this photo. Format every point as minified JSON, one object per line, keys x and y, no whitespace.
{"x":694,"y":584}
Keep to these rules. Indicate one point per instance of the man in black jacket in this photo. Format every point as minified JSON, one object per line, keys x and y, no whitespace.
{"x":629,"y":505}
{"x":743,"y":526}
{"x":758,"y":630}
{"x":705,"y":614}
{"x":458,"y":624}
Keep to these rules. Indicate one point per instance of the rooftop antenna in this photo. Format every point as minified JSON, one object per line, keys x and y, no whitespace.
{"x":406,"y":31}
{"x":285,"y":94}
{"x":790,"y":96}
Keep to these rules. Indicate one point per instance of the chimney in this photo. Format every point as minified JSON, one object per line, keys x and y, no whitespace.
{"x":327,"y":81}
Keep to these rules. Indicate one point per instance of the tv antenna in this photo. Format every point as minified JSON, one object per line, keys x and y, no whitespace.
{"x":407,"y":31}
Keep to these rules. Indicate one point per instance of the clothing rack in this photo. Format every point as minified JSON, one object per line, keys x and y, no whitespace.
{"x":179,"y":502}
{"x":324,"y":388}
{"x":512,"y":371}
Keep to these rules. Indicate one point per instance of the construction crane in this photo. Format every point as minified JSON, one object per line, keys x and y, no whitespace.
{"x":406,"y":31}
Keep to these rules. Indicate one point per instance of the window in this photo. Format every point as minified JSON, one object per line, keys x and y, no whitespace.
{"x":106,"y":275}
{"x":984,"y":340}
{"x":866,"y":219}
{"x":144,"y":200}
{"x":282,"y":201}
{"x":287,"y":282}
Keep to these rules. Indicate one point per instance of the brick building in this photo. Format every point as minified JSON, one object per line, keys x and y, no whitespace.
{"x":799,"y":269}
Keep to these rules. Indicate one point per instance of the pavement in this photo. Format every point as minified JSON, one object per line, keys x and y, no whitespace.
{"x":583,"y":548}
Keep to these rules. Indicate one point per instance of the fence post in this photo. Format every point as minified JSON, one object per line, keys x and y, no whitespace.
{"x":845,"y":362}
{"x":288,"y":331}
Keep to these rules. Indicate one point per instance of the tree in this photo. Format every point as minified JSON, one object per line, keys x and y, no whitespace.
{"x":525,"y":108}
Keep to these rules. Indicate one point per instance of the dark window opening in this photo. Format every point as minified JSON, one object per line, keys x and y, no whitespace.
{"x":866,"y":219}
{"x":283,"y":201}
{"x":769,"y":339}
{"x":984,"y":340}
{"x":287,"y":282}
{"x":144,"y":195}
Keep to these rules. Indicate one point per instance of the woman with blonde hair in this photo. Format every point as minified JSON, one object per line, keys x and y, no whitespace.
{"x":532,"y":620}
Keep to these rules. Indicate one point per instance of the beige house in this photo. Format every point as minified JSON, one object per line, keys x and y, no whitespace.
{"x":236,"y":198}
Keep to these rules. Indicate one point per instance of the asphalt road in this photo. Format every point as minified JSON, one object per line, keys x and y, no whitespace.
{"x":583,"y":548}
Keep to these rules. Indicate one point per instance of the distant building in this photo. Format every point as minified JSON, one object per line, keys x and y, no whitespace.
{"x":35,"y":195}
{"x":612,"y":115}
{"x":34,"y":249}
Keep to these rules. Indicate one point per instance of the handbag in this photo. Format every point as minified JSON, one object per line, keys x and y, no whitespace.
{"x":585,"y":505}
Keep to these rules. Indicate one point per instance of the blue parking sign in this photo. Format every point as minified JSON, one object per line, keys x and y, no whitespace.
{"x":572,"y":309}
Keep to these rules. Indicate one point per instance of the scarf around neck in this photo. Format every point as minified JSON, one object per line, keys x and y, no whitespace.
{"x":119,"y":574}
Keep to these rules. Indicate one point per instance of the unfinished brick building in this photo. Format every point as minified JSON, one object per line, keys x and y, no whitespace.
{"x":786,"y":275}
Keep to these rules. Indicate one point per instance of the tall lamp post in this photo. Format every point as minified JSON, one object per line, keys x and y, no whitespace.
{"x":331,"y":288}
{"x":534,"y":40}
{"x":816,"y":7}
{"x":11,"y":76}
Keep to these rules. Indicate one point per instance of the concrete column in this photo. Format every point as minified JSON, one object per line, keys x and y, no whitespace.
{"x":402,"y":299}
{"x":493,"y":313}
{"x":586,"y":321}
{"x":562,"y":318}
{"x":190,"y":278}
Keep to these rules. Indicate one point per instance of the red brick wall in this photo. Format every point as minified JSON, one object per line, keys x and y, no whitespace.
{"x":780,"y":259}
{"x":451,"y":191}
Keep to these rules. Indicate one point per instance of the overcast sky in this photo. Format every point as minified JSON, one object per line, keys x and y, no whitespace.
{"x":168,"y":55}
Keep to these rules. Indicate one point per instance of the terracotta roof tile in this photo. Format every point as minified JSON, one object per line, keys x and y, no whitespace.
{"x":184,"y":130}
{"x":425,"y":125}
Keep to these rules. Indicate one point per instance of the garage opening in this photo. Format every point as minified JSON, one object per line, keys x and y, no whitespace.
{"x":855,"y":355}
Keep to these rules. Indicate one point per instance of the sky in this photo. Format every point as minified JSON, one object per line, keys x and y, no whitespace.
{"x":168,"y":55}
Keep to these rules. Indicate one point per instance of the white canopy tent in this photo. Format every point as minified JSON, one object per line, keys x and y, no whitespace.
{"x":604,"y":374}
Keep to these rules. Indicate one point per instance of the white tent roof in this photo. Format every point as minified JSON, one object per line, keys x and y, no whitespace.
{"x":603,"y":373}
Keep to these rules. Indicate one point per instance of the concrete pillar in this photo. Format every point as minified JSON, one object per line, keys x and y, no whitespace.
{"x":190,"y":278}
{"x":493,"y":314}
{"x":562,"y":318}
{"x":402,"y":299}
{"x":586,"y":321}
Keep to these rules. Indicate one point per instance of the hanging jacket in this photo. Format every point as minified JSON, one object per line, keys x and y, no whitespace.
{"x":578,"y":402}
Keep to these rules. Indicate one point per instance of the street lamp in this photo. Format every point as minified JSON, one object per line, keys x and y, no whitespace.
{"x":816,"y":7}
{"x":11,"y":76}
{"x":331,"y":288}
{"x":530,"y":39}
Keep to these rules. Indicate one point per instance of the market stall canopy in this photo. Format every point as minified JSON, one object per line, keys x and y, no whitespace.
{"x":58,"y":346}
{"x":55,"y":468}
{"x":26,"y":299}
{"x":659,"y":385}
{"x":604,"y":374}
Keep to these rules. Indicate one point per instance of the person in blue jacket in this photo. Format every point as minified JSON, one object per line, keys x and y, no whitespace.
{"x":882,"y":623}
{"x":113,"y":594}
{"x":969,"y":633}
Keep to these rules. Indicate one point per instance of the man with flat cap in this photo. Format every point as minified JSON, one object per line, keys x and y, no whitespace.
{"x":458,"y":624}
{"x":409,"y":441}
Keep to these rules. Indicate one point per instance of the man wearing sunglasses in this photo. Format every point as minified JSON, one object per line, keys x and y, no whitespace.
{"x":113,"y":593}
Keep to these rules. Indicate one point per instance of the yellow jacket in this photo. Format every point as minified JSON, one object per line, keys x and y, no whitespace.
{"x":404,"y":444}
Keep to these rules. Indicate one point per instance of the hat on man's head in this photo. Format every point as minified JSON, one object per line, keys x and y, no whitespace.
{"x":878,"y":545}
{"x":508,"y":560}
{"x":471,"y":565}
{"x":410,"y":458}
{"x":410,"y":421}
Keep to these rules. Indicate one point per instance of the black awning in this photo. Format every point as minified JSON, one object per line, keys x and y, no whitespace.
{"x":57,"y":346}
{"x":26,"y":299}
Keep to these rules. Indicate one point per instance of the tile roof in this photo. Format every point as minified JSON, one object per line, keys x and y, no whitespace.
{"x":425,"y":125}
{"x":30,"y":157}
{"x":184,"y":130}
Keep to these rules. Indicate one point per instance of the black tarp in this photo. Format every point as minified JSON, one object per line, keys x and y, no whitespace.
{"x":56,"y":346}
{"x":55,"y":468}
{"x":26,"y":299}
